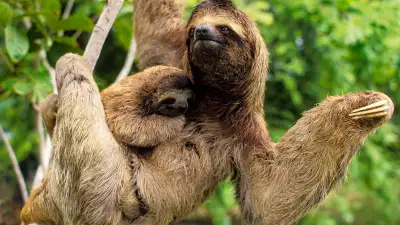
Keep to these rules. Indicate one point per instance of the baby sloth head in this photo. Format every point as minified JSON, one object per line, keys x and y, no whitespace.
{"x":225,"y":48}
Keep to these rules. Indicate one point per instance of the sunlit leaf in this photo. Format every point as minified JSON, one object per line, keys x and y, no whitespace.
{"x":76,"y":22}
{"x":17,"y":44}
{"x":66,"y":41}
{"x":6,"y":14}
{"x":51,"y":10}
{"x":124,"y":31}
{"x":22,"y":87}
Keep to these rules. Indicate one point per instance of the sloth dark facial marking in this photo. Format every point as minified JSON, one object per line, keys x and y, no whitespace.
{"x":215,"y":41}
{"x":206,"y":42}
{"x":209,"y":36}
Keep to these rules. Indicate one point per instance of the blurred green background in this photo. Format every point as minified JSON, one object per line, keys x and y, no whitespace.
{"x":317,"y":48}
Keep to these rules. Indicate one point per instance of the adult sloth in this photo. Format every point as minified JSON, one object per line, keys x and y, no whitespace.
{"x":224,"y":132}
{"x":223,"y":50}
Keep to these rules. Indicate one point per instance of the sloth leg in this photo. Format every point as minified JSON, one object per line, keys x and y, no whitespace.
{"x":39,"y":208}
{"x":159,"y":32}
{"x":311,"y":159}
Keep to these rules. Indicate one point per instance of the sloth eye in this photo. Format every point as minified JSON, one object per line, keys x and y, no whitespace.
{"x":191,"y":31}
{"x":224,"y":29}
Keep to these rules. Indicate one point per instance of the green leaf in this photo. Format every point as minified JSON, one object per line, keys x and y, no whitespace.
{"x":124,"y":27}
{"x":17,"y":44}
{"x":51,"y":10}
{"x":6,"y":14}
{"x":226,"y":194}
{"x":8,"y":83}
{"x":76,"y":22}
{"x":22,"y":87}
{"x":41,"y":86}
{"x":69,"y":41}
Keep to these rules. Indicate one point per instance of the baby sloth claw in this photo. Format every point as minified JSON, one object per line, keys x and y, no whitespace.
{"x":173,"y":104}
{"x":377,"y":109}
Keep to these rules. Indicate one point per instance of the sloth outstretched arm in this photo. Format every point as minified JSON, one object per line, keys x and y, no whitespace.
{"x":159,"y":32}
{"x":88,"y":172}
{"x":311,"y":158}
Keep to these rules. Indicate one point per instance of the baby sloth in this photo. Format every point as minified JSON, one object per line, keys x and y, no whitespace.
{"x":154,"y":104}
{"x":141,"y":110}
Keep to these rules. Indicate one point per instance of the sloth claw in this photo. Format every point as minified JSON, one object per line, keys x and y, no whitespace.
{"x":377,"y":109}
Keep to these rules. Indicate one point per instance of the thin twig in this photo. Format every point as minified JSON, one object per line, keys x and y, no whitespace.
{"x":40,"y":130}
{"x":91,"y":54}
{"x":45,"y":147}
{"x":126,"y":69}
{"x":42,"y":145}
{"x":49,"y":68}
{"x":101,"y":30}
{"x":38,"y":177}
{"x":66,"y":13}
{"x":77,"y":34}
{"x":17,"y":169}
{"x":27,"y":23}
{"x":25,"y":20}
{"x":68,"y":9}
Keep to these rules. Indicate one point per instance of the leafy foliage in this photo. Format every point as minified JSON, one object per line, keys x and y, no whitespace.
{"x":317,"y":48}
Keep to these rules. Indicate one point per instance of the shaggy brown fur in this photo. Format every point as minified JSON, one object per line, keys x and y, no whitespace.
{"x":162,"y":29}
{"x":224,"y":132}
{"x":277,"y":183}
{"x":147,"y":108}
{"x":82,"y":162}
{"x":153,"y":103}
{"x":142,"y":110}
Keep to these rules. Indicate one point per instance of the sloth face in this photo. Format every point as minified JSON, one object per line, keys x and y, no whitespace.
{"x":220,"y":45}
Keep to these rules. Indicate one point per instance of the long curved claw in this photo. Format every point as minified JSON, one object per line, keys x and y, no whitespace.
{"x":377,"y":109}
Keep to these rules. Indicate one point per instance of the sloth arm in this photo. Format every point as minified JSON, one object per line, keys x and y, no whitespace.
{"x":88,"y":168}
{"x":159,"y":32}
{"x":127,"y":105}
{"x":136,"y":123}
{"x":310,"y":159}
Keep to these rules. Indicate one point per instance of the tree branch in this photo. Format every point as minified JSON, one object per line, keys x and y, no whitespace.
{"x":92,"y":53}
{"x":14,"y":161}
{"x":101,"y":30}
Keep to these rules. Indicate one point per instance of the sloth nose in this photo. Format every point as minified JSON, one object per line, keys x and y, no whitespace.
{"x":203,"y":30}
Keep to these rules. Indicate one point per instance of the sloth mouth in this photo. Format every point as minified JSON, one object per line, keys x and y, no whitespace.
{"x":206,"y":45}
{"x":207,"y":40}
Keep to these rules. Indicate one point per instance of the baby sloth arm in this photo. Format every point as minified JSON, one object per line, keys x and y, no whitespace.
{"x":141,"y":110}
{"x":311,"y":158}
{"x":148,"y":108}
